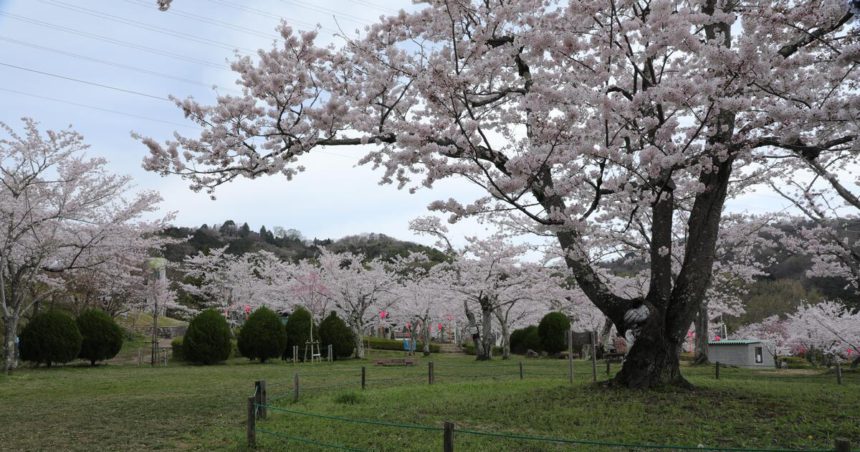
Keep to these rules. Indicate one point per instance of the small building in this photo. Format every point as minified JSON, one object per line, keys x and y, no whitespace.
{"x":741,"y":353}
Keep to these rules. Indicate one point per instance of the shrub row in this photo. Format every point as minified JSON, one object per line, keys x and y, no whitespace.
{"x":263,"y":336}
{"x":54,"y":337}
{"x":381,"y":343}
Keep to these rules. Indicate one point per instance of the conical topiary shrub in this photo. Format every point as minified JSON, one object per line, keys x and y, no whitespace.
{"x":262,"y":336}
{"x":207,"y":340}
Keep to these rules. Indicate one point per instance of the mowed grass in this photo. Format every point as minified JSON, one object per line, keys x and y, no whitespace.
{"x":125,"y":407}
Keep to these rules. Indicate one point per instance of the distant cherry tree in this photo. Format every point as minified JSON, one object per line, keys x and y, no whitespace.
{"x":60,"y":211}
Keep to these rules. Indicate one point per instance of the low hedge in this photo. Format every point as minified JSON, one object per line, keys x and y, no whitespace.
{"x":469,"y":349}
{"x":176,"y":346}
{"x":380,"y":343}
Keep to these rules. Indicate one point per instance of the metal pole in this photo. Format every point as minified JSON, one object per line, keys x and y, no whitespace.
{"x":521,"y":370}
{"x":430,"y":372}
{"x":594,"y":356}
{"x":717,"y":370}
{"x":570,"y":356}
{"x":296,"y":387}
{"x":363,"y":376}
{"x":838,"y":373}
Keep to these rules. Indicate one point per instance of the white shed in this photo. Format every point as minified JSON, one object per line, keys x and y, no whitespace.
{"x":741,"y":353}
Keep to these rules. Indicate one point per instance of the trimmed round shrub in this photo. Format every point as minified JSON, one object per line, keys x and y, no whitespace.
{"x":552,"y":330}
{"x":262,"y":336}
{"x":299,"y":331}
{"x":525,"y":339}
{"x":333,"y":330}
{"x":50,"y":337}
{"x":207,"y":340}
{"x":102,"y":337}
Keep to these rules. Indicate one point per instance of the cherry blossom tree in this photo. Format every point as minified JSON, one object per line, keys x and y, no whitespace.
{"x":828,"y":327}
{"x":357,"y":287}
{"x":586,"y":119}
{"x":423,"y":298}
{"x":237,"y":284}
{"x":60,"y":211}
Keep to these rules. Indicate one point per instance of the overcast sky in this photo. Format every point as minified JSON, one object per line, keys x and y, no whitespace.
{"x":54,"y":53}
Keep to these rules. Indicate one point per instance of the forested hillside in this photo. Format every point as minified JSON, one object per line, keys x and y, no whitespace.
{"x":288,"y":244}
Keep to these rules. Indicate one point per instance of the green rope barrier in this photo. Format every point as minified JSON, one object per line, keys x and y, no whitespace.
{"x":308,"y":441}
{"x":355,"y":421}
{"x":524,"y":437}
{"x":517,"y":436}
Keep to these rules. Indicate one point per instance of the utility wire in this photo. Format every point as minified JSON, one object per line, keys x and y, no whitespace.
{"x":144,"y":26}
{"x":269,"y":15}
{"x":86,"y":82}
{"x":206,"y":20}
{"x":106,"y":63}
{"x":322,"y":9}
{"x":92,"y":107}
{"x":114,"y":41}
{"x":378,"y":7}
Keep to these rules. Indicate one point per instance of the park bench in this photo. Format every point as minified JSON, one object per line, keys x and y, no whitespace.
{"x":614,"y":357}
{"x":395,"y":362}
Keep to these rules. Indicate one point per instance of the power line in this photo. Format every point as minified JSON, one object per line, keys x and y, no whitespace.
{"x":86,"y":82}
{"x":114,"y":41}
{"x":106,"y":63}
{"x":92,"y":107}
{"x":322,"y":9}
{"x":144,"y":26}
{"x":206,"y":20}
{"x":262,"y":13}
{"x":379,"y":7}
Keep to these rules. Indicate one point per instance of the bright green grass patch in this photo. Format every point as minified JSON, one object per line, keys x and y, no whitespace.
{"x":203,"y":407}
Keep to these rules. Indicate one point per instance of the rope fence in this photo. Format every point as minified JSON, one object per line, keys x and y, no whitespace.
{"x":259,"y":405}
{"x":449,"y":430}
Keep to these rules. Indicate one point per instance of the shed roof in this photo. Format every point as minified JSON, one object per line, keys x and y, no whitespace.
{"x":735,"y":342}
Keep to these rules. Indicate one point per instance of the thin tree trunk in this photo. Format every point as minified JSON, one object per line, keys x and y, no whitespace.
{"x":476,"y":336}
{"x":486,"y":334}
{"x":10,"y":358}
{"x":426,"y":331}
{"x":359,"y":341}
{"x":702,"y":334}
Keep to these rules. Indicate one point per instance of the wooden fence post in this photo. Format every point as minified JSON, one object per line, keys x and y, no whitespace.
{"x":430,"y":372}
{"x":842,"y":445}
{"x":330,"y":353}
{"x":521,"y":370}
{"x":717,"y":369}
{"x":296,"y":387}
{"x":258,"y":398}
{"x":594,"y":356}
{"x":607,"y":366}
{"x":838,"y":373}
{"x":570,"y":356}
{"x":448,"y":439}
{"x":295,"y":354}
{"x":252,"y":423}
{"x":363,"y":376}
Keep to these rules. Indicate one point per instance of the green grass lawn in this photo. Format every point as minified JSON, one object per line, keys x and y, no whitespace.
{"x":125,"y":407}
